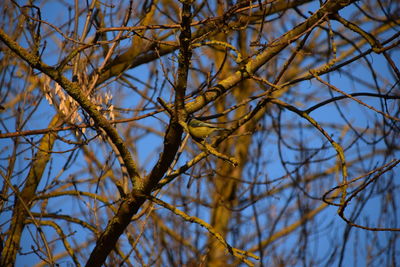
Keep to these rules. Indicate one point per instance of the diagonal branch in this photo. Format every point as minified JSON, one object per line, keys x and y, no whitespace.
{"x":74,"y":90}
{"x":129,"y":206}
{"x":330,"y":7}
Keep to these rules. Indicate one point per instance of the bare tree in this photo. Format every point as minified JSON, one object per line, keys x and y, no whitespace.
{"x":101,"y":163}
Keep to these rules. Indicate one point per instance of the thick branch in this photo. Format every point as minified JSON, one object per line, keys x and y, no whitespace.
{"x":274,"y":48}
{"x":75,"y":92}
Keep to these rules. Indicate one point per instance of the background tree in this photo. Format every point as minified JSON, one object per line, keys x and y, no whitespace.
{"x":98,"y":167}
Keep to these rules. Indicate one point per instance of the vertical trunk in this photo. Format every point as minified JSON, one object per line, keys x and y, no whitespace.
{"x":24,"y":200}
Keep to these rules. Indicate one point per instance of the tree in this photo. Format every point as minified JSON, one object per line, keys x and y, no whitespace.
{"x":98,"y":166}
